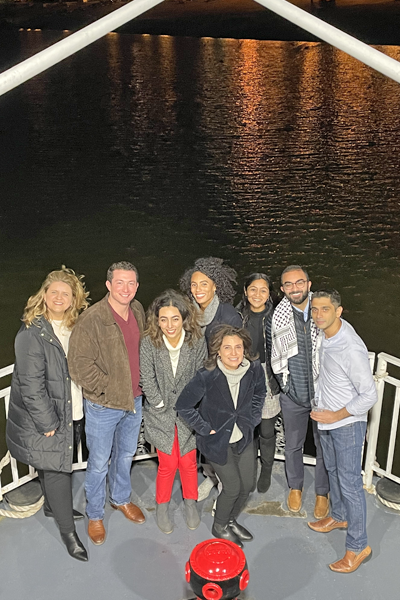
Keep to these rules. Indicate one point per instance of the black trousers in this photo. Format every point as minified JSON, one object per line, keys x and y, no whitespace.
{"x":57,"y":491}
{"x":237,"y":477}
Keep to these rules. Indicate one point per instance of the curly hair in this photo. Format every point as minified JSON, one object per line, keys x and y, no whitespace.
{"x":188,"y":313}
{"x":36,"y":305}
{"x":217,"y":338}
{"x":222,"y":275}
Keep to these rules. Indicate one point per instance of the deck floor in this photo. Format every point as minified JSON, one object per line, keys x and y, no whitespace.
{"x":286,"y":559}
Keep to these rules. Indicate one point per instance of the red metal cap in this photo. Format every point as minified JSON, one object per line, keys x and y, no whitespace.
{"x":217,"y":560}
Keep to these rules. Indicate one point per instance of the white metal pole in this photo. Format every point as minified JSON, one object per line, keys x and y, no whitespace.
{"x":374,"y":422}
{"x":57,"y":52}
{"x":375,"y":59}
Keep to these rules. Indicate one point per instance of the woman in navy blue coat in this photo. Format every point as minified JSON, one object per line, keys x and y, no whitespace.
{"x":223,"y":404}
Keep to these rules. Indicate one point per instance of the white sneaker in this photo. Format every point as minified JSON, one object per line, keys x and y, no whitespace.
{"x":205,"y":489}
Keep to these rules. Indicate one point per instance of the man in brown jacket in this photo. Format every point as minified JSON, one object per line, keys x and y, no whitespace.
{"x":103,"y":358}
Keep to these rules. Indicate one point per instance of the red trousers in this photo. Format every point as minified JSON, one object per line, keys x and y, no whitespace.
{"x":167,"y":466}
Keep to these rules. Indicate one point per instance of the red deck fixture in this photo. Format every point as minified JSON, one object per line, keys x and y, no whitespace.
{"x":217,"y":570}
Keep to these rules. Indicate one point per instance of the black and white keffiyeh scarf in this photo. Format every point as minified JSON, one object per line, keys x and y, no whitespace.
{"x":284,"y":340}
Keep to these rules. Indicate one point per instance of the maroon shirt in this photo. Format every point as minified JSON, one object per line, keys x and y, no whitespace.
{"x":131,"y":333}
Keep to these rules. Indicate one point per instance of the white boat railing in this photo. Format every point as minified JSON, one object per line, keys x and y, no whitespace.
{"x":17,"y":479}
{"x":371,"y":467}
{"x":383,"y":379}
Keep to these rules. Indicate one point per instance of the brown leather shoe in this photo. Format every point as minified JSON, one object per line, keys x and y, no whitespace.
{"x":131,"y":512}
{"x":351,"y":561}
{"x":294,"y":501}
{"x":326,"y":525}
{"x":96,"y":532}
{"x":321,"y":509}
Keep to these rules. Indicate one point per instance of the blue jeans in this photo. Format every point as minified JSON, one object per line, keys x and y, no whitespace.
{"x":341,"y":450}
{"x":111,"y":437}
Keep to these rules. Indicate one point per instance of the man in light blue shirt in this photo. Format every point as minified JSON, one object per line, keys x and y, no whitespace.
{"x":345,"y":393}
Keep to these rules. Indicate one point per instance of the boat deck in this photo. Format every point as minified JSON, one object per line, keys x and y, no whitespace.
{"x":286,"y":559}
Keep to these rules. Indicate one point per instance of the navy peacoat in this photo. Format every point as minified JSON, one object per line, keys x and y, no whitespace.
{"x":206,"y":404}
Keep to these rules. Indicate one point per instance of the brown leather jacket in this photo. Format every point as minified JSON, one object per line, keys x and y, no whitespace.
{"x":98,"y":358}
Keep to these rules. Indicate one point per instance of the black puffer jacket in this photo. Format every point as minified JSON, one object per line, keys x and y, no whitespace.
{"x":226,"y":315}
{"x":40,"y":400}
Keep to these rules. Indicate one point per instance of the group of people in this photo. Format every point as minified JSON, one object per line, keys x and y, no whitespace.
{"x":209,"y":381}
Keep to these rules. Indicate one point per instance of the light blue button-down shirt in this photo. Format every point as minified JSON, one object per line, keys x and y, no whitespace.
{"x":345,"y":378}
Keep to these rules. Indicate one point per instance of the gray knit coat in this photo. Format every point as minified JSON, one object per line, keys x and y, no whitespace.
{"x":159,"y":384}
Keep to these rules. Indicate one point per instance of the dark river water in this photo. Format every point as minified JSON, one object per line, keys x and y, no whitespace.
{"x":159,"y":150}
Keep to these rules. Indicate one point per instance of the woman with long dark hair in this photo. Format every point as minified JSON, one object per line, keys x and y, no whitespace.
{"x":171,"y":352}
{"x":223,"y":404}
{"x":44,"y":403}
{"x":255,"y":308}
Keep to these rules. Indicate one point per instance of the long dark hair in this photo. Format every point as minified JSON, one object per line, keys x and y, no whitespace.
{"x":216,"y":342}
{"x":244,"y":306}
{"x":188,"y":313}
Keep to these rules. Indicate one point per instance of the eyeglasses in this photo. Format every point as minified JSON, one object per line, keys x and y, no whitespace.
{"x":300,"y":283}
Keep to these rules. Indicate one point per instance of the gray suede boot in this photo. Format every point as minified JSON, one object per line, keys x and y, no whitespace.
{"x":191,"y":514}
{"x":162,"y":517}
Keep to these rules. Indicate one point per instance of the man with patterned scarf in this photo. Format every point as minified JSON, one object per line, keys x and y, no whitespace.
{"x":294,"y":339}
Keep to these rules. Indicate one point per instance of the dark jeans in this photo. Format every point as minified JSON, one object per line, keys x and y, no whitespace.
{"x":342,"y":449}
{"x":295,"y":419}
{"x":237,"y":477}
{"x":57,"y":490}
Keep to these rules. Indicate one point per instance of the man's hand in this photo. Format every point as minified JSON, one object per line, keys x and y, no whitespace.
{"x":329,"y":416}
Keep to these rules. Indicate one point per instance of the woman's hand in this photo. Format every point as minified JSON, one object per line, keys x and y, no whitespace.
{"x":50,"y":433}
{"x":212,"y":431}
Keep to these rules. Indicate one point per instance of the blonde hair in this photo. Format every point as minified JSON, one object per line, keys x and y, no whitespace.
{"x":36,"y":305}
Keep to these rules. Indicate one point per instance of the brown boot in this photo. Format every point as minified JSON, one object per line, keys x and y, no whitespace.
{"x":321,"y":509}
{"x":96,"y":532}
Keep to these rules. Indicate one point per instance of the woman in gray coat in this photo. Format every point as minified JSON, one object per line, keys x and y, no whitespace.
{"x":44,"y":403}
{"x":171,"y":352}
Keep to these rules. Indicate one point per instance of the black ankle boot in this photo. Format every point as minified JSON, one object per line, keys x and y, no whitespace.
{"x":74,"y":546}
{"x":241,"y":532}
{"x":224,"y":532}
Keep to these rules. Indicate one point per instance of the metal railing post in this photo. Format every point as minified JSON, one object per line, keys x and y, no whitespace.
{"x":373,"y":429}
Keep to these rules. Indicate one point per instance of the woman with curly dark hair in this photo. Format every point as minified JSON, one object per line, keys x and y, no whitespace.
{"x":208,"y":283}
{"x":223,"y":404}
{"x":256,"y":308}
{"x":171,"y":352}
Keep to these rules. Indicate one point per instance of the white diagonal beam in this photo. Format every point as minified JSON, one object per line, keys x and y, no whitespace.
{"x":366,"y":54}
{"x":57,"y":52}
